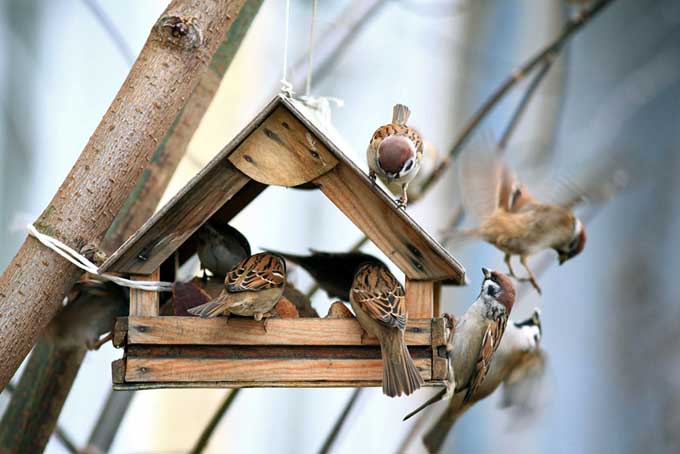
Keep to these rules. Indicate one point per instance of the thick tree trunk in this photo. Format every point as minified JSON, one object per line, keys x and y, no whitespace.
{"x":173,"y":59}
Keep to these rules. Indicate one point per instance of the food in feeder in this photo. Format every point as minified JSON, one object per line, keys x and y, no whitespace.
{"x":395,"y":152}
{"x":187,"y":295}
{"x":300,"y":300}
{"x":379,"y":302}
{"x":285,"y":309}
{"x":251,"y":289}
{"x":476,"y":336}
{"x":339,"y":310}
{"x":333,"y":271}
{"x":512,"y":219}
{"x":220,"y":248}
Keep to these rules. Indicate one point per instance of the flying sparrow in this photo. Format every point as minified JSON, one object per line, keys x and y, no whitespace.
{"x":476,"y":336}
{"x":512,"y":219}
{"x":90,"y":311}
{"x":251,"y":289}
{"x":395,"y":153}
{"x":333,"y":271}
{"x":518,"y":364}
{"x":220,"y":248}
{"x":379,"y":302}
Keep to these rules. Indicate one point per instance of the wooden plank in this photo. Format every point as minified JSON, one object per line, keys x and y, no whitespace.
{"x":436,"y":304}
{"x":144,"y":303}
{"x":282,"y":152}
{"x":118,"y":371}
{"x":260,"y":384}
{"x":254,"y":370}
{"x":120,"y":330}
{"x":209,"y":190}
{"x":419,"y":298}
{"x":392,"y":231}
{"x":417,"y":254}
{"x":440,"y":362}
{"x":241,"y":331}
{"x":159,"y":237}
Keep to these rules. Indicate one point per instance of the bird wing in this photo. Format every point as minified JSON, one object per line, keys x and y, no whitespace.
{"x":381,"y":295}
{"x":486,"y":183}
{"x":490,"y":342}
{"x":258,"y":272}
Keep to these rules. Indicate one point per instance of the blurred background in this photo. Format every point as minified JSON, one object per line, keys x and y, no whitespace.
{"x":611,"y":101}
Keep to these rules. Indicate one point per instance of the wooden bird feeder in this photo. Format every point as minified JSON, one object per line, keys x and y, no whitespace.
{"x":282,"y":146}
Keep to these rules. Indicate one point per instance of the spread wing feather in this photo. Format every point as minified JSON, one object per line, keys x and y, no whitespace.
{"x":381,"y":295}
{"x":483,"y":179}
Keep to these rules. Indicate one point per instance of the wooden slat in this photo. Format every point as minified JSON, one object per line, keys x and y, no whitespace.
{"x":120,"y":330}
{"x":142,"y":302}
{"x":269,"y":370}
{"x":282,"y":152}
{"x":260,"y":384}
{"x":209,"y":190}
{"x":420,"y":298}
{"x":405,"y":244}
{"x":440,"y":362}
{"x":118,"y":371}
{"x":147,"y":249}
{"x":239,"y":331}
{"x":436,"y":304}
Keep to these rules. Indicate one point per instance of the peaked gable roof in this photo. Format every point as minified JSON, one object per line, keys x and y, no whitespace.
{"x":282,"y":146}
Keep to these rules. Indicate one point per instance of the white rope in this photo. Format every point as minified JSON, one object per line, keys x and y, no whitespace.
{"x":286,"y":87}
{"x":84,"y":264}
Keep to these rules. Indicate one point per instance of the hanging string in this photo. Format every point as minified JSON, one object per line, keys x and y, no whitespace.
{"x":310,"y":53}
{"x":286,"y":87}
{"x":84,"y":264}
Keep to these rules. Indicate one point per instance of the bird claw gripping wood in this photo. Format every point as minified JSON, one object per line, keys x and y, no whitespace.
{"x":92,"y":252}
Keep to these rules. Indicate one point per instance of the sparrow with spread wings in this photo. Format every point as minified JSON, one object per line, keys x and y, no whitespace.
{"x":395,"y":153}
{"x":251,"y":289}
{"x":511,"y":218}
{"x":476,"y":337}
{"x":379,"y":302}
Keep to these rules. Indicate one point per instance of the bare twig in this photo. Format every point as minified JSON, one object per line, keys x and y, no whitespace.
{"x":214,"y":421}
{"x":548,"y":52}
{"x":108,"y":422}
{"x":335,"y":430}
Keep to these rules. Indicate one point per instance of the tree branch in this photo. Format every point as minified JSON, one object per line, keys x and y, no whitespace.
{"x":166,"y":71}
{"x":342,"y":418}
{"x":203,"y":440}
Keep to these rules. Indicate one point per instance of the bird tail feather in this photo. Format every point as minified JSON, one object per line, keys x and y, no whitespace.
{"x":209,"y":309}
{"x":400,"y":375}
{"x":434,"y":399}
{"x":400,"y":114}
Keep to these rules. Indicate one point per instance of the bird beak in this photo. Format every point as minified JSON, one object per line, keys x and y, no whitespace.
{"x":562,"y":258}
{"x":486,"y":272}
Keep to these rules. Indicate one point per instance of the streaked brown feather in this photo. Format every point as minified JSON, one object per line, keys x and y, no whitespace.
{"x":490,"y":343}
{"x":258,"y":272}
{"x":381,"y":295}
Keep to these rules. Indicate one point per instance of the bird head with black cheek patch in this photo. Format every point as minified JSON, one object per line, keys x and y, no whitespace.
{"x":396,"y":157}
{"x":576,"y":243}
{"x":498,"y":287}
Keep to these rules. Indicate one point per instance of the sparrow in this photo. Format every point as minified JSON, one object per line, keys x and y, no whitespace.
{"x":395,"y":153}
{"x":518,"y":364}
{"x":220,"y":248}
{"x":512,"y":219}
{"x":430,"y":162}
{"x":91,"y":310}
{"x":333,"y":271}
{"x":379,"y":302}
{"x":475,"y":338}
{"x":251,"y":289}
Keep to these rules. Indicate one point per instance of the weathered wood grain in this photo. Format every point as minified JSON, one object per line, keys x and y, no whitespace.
{"x":120,"y":330}
{"x":405,"y":244}
{"x":260,"y":384}
{"x":282,"y":152}
{"x":258,"y":370}
{"x":241,"y":331}
{"x":440,"y":362}
{"x":419,"y":298}
{"x":147,"y":249}
{"x":142,"y":302}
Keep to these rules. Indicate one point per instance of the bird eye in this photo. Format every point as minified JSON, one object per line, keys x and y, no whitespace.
{"x":409,"y":165}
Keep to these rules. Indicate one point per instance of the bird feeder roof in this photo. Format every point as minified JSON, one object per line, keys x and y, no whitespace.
{"x":283,"y":146}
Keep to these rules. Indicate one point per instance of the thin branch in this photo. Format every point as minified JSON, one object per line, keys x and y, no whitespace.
{"x":337,"y":427}
{"x":415,"y":429}
{"x":203,"y":440}
{"x":112,"y":30}
{"x":109,"y":420}
{"x":571,"y":27}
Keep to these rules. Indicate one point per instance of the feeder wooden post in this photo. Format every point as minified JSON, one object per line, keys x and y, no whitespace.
{"x":419,"y":298}
{"x":142,"y":302}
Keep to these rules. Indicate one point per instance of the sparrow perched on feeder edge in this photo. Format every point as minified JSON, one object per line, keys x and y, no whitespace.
{"x":511,"y":218}
{"x":251,"y":289}
{"x":476,"y":337}
{"x":518,"y":364}
{"x":333,"y":271}
{"x":220,"y":248}
{"x":395,"y":153}
{"x":91,"y":310}
{"x":379,"y":302}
